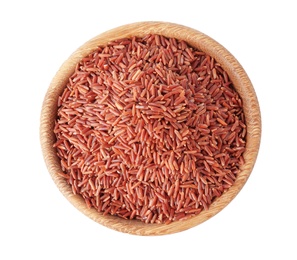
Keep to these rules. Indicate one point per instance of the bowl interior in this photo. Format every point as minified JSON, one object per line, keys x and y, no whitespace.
{"x":197,"y":40}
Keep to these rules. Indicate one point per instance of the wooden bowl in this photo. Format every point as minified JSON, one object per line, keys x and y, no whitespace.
{"x":194,"y":38}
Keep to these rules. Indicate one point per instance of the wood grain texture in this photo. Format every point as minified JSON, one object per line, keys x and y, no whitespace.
{"x":196,"y":39}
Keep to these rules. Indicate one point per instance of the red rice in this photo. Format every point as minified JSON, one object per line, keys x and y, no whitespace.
{"x":150,"y":129}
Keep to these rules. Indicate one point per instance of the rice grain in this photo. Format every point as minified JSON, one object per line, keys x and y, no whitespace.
{"x":149,"y":129}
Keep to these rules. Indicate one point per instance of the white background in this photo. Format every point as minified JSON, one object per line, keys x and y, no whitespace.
{"x":37,"y":222}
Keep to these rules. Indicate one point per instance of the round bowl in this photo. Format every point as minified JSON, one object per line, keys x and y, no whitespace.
{"x":197,"y":40}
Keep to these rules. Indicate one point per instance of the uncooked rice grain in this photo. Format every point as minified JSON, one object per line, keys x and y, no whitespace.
{"x":150,"y":128}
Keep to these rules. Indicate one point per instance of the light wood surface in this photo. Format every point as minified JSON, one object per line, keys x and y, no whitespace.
{"x":196,"y":39}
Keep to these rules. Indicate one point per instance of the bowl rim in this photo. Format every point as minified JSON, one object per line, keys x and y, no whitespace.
{"x":194,"y":38}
